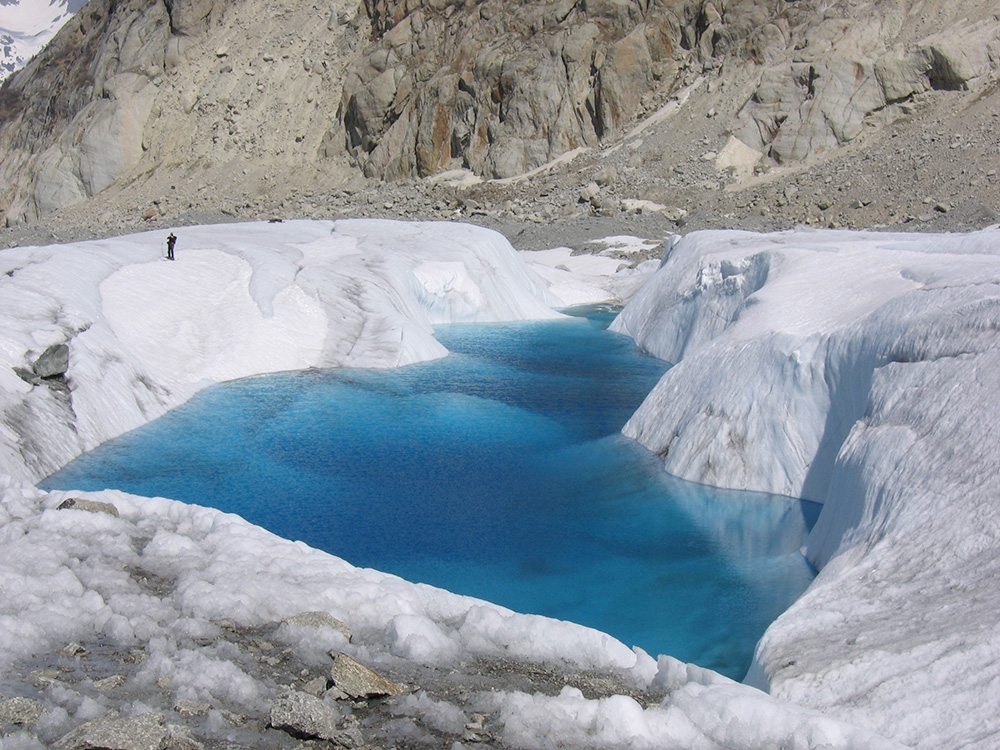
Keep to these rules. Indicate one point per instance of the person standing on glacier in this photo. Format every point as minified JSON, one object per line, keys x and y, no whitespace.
{"x":171,"y":241}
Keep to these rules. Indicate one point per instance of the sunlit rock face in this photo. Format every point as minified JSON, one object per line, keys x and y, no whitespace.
{"x":500,"y":88}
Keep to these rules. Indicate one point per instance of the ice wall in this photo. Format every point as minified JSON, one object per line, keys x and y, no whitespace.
{"x":860,"y":370}
{"x":144,"y":333}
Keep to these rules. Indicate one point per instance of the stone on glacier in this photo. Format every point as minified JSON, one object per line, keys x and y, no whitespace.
{"x":358,"y":681}
{"x":317,"y":621}
{"x":20,"y":710}
{"x":146,"y":731}
{"x":305,"y":716}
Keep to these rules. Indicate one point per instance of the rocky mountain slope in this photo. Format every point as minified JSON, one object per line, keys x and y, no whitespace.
{"x":566,"y":116}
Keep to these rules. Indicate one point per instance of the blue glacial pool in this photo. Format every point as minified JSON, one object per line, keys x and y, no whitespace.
{"x":497,"y":472}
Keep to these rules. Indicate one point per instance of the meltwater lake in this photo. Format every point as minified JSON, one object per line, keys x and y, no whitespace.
{"x":498,"y":472}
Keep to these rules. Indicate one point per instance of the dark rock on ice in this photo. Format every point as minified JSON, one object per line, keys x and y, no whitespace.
{"x":92,"y":506}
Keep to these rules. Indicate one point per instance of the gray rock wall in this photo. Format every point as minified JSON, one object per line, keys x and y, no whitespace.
{"x":500,"y":87}
{"x":398,"y":89}
{"x":846,"y":68}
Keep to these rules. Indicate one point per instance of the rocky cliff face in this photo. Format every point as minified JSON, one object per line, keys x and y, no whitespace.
{"x":132,"y":86}
{"x":499,"y":87}
{"x":252,"y":105}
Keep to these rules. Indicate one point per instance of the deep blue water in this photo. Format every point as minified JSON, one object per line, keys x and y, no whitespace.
{"x":498,"y":472}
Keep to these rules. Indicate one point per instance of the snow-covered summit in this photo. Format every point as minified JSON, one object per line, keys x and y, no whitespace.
{"x":27,"y":25}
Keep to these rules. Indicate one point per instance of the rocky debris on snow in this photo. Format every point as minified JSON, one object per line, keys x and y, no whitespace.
{"x":91,"y":506}
{"x":475,"y":730}
{"x":20,"y":711}
{"x":299,"y":705}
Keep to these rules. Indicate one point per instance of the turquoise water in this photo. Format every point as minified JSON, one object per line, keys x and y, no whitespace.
{"x":498,"y":472}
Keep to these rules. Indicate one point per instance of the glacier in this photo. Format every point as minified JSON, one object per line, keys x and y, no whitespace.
{"x":240,"y":299}
{"x":852,"y":368}
{"x":859,"y":370}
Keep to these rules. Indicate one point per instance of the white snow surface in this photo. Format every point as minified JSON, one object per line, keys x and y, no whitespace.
{"x":593,"y":278}
{"x":167,"y":577}
{"x":860,"y":370}
{"x":26,"y":27}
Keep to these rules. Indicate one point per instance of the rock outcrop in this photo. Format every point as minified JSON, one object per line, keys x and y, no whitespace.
{"x":73,"y":119}
{"x":244,"y":105}
{"x":499,"y":87}
{"x":845,"y":69}
{"x":127,"y":88}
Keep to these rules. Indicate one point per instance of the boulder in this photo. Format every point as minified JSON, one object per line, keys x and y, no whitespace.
{"x":91,"y":506}
{"x":20,"y":711}
{"x":802,"y":109}
{"x":319,"y":620}
{"x":304,"y":716}
{"x":358,"y":681}
{"x":189,"y":709}
{"x":147,"y":731}
{"x":53,"y":362}
{"x":738,"y":157}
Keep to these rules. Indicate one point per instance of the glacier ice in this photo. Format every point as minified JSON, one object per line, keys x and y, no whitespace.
{"x":858,"y":370}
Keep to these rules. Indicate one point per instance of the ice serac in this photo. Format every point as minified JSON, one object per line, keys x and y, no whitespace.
{"x":860,"y":370}
{"x":144,"y":334}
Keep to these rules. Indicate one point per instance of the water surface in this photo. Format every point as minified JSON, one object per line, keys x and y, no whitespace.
{"x":498,"y":472}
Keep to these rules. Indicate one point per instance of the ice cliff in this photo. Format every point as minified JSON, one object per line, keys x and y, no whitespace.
{"x":859,"y":370}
